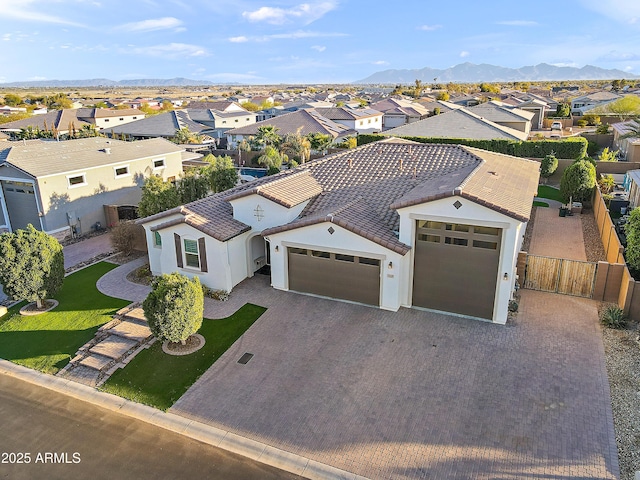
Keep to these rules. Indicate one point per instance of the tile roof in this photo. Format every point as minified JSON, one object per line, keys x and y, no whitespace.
{"x":307,"y":120}
{"x":219,"y":105}
{"x":161,"y":125}
{"x":61,"y":119}
{"x":288,"y":191}
{"x":42,"y":157}
{"x":400,"y":106}
{"x":500,"y":112}
{"x":342,"y":113}
{"x":361,"y":188}
{"x":459,"y":123}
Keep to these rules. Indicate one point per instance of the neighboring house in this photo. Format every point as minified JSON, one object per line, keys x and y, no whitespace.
{"x":362,"y":120}
{"x":629,"y":148}
{"x":538,"y":107}
{"x":163,"y":125}
{"x":3,"y":137}
{"x":305,"y":121}
{"x":220,"y":121}
{"x":67,"y":119}
{"x":7,"y":110}
{"x":389,"y":224}
{"x":221,"y":106}
{"x":460,"y":123}
{"x":581,"y":105}
{"x":57,"y":186}
{"x":505,"y":115}
{"x":397,"y":112}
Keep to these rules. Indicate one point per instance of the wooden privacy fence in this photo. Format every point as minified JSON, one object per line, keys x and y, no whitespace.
{"x":559,"y":275}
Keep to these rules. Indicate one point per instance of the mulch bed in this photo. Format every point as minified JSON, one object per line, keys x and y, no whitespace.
{"x":192,"y":344}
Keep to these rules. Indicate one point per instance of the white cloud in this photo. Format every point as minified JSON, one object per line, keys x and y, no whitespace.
{"x":429,"y":28}
{"x":319,"y":48}
{"x":170,"y":50}
{"x":623,"y":11}
{"x":380,"y":62}
{"x":518,"y":23}
{"x":151,"y":25}
{"x":304,"y":13}
{"x":37,"y":79}
{"x":6,"y":37}
{"x":240,"y":39}
{"x":464,"y":54}
{"x":25,"y":10}
{"x":302,"y":34}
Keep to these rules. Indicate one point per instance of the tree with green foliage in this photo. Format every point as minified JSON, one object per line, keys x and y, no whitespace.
{"x":296,"y":147}
{"x":563,"y":110}
{"x":624,"y":107}
{"x":602,"y":128}
{"x":174,"y":307}
{"x":578,"y":181}
{"x":192,"y":186}
{"x":490,"y":88}
{"x":319,"y":142}
{"x":184,"y":136}
{"x":444,"y":96}
{"x":221,"y":173}
{"x":12,"y":100}
{"x":31,"y":265}
{"x":608,"y":155}
{"x":157,"y":196}
{"x":272,"y":158}
{"x":267,"y":136}
{"x":349,"y":143}
{"x":632,"y":250}
{"x":548,"y":166}
{"x":250,"y":106}
{"x":418,"y":88}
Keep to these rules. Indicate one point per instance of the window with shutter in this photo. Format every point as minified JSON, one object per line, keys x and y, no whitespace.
{"x":191,"y":255}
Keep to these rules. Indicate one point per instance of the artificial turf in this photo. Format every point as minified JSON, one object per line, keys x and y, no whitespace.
{"x":158,"y":379}
{"x":46,"y":342}
{"x":545,"y":191}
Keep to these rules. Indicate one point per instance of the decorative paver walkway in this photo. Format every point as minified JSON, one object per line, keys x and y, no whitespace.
{"x":115,"y":345}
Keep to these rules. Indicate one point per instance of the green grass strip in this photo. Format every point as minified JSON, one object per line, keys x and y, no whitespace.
{"x":158,"y":379}
{"x":540,"y":204}
{"x":545,"y":191}
{"x":47,"y":342}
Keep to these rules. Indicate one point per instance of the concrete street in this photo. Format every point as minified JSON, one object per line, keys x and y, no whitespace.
{"x":36,"y":420}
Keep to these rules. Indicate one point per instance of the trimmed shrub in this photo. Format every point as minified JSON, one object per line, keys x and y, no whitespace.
{"x":570,"y":147}
{"x":613,"y":316}
{"x":582,"y":123}
{"x":548,"y":166}
{"x":174,"y":307}
{"x":578,"y":181}
{"x":220,"y":295}
{"x":123,"y":236}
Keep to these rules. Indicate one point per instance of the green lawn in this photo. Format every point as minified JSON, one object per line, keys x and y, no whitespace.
{"x":48,"y":341}
{"x":545,"y":191}
{"x":157,"y":379}
{"x":540,"y":204}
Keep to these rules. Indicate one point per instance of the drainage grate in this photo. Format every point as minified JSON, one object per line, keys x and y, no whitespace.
{"x":244,"y":359}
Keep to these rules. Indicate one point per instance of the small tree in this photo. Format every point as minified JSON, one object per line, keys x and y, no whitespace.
{"x":123,"y":236}
{"x":272,"y":158}
{"x":563,"y":110}
{"x":548,"y":166}
{"x":174,"y":307}
{"x":221,"y":173}
{"x":578,"y":181}
{"x":608,"y":155}
{"x":157,"y":196}
{"x":31,"y":265}
{"x":193,"y":186}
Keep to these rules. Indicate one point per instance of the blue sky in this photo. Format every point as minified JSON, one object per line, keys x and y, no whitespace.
{"x":332,"y":41}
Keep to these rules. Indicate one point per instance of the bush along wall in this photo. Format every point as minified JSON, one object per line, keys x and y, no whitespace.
{"x":572,"y":147}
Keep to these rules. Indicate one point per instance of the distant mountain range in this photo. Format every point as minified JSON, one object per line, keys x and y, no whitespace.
{"x":472,"y":73}
{"x":105,"y":82}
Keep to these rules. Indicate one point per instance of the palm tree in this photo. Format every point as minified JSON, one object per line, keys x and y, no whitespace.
{"x":320,"y":142}
{"x":267,"y":136}
{"x":296,"y":147}
{"x":184,"y":136}
{"x":88,"y":131}
{"x":272,"y":158}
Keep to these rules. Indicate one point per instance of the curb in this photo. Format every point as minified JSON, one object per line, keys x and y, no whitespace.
{"x":216,"y":437}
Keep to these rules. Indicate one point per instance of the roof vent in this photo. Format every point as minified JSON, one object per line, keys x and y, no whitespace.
{"x":107,"y":151}
{"x":495,"y":174}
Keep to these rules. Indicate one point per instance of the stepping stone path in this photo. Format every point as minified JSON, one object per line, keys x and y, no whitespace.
{"x":114,"y":346}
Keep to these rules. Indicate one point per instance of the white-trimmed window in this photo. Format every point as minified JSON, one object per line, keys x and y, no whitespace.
{"x":158,"y":163}
{"x":157,"y":239}
{"x":77,"y":180}
{"x":121,"y":171}
{"x":191,"y":253}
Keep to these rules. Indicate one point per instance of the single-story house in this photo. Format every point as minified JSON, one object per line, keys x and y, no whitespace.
{"x":459,"y":123}
{"x":583,"y":104}
{"x":629,"y":147}
{"x":505,"y":115}
{"x":362,"y":120}
{"x":163,"y":125}
{"x":397,"y":112}
{"x":389,"y":224}
{"x":61,"y":187}
{"x":305,"y":121}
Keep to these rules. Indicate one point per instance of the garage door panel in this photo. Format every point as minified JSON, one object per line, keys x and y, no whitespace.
{"x":330,"y":277}
{"x":457,"y":278}
{"x":21,"y":204}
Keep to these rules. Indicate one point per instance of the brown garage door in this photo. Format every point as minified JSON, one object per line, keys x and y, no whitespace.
{"x":334,"y":275}
{"x":456,"y":267}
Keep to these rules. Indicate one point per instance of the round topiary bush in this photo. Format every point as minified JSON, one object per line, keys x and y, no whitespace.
{"x":175,"y":307}
{"x":548,"y":165}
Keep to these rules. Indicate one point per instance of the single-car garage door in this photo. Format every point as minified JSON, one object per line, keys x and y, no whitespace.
{"x":456,"y":267}
{"x":21,"y":204}
{"x":334,"y":275}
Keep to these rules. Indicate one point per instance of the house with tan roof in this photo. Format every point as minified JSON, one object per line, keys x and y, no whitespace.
{"x":505,"y":115}
{"x":397,"y":112}
{"x":60,"y":187}
{"x":391,"y":224}
{"x":361,"y":120}
{"x":457,"y":123}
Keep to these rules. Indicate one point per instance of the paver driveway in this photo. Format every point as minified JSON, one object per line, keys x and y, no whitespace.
{"x":414,"y":394}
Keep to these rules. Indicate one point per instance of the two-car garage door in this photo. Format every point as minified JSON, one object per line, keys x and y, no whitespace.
{"x":334,"y":275}
{"x":456,"y":267}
